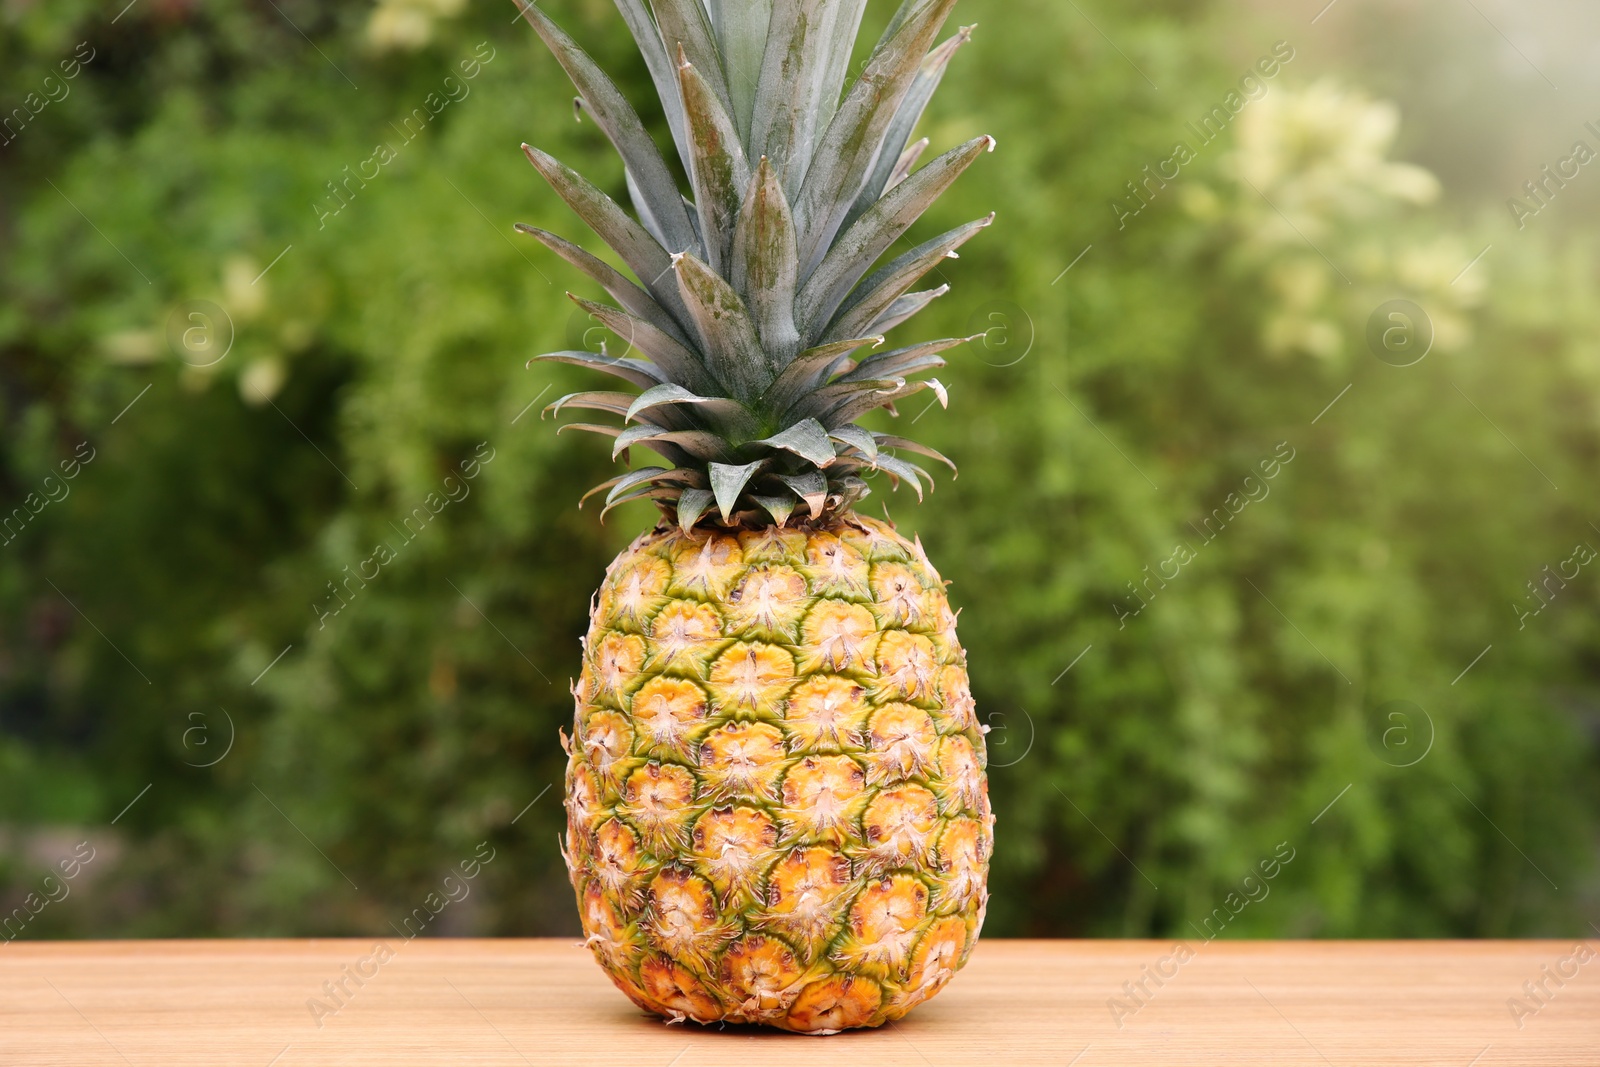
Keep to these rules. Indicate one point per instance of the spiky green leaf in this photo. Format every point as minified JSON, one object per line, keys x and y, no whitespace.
{"x":807,"y":439}
{"x":728,"y":481}
{"x":881,"y":179}
{"x":872,"y":235}
{"x":717,"y":165}
{"x":849,"y":148}
{"x":730,"y":341}
{"x":621,"y":124}
{"x":637,"y":371}
{"x":766,"y":262}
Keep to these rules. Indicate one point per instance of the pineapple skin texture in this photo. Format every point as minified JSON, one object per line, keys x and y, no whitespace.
{"x":776,"y":800}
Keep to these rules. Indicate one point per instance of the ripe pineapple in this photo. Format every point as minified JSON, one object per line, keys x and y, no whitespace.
{"x":777,"y":810}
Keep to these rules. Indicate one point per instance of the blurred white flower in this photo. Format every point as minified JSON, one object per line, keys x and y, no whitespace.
{"x":1320,"y":156}
{"x":262,"y":380}
{"x":406,"y":25}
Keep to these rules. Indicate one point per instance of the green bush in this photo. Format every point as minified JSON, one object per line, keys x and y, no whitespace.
{"x":191,"y":587}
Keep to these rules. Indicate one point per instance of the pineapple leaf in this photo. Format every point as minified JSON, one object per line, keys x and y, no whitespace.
{"x":637,"y":371}
{"x":648,"y":261}
{"x":686,"y":26}
{"x":879,"y":292}
{"x":730,"y":413}
{"x":905,"y":361}
{"x":662,"y":70}
{"x":693,"y":504}
{"x":903,"y":308}
{"x":641,"y":207}
{"x":890,"y":441}
{"x":856,"y":438}
{"x":900,"y":470}
{"x":809,"y":371}
{"x":779,"y":507}
{"x":602,"y":487}
{"x":806,"y":439}
{"x":622,"y":127}
{"x":908,"y":160}
{"x":805,"y":65}
{"x":854,"y":137}
{"x":701,"y":444}
{"x":872,"y":235}
{"x":766,"y":261}
{"x":717,"y":168}
{"x":727,"y":481}
{"x":742,"y":27}
{"x":634,"y":479}
{"x":731,"y":344}
{"x":643,"y":492}
{"x":615,"y":403}
{"x":634,"y":299}
{"x":812,"y":487}
{"x":677,"y":362}
{"x":905,"y":122}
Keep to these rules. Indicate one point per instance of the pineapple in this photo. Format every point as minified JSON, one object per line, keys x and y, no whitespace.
{"x":777,"y":809}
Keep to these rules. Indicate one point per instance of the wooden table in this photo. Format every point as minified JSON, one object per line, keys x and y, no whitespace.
{"x":1327,"y":1004}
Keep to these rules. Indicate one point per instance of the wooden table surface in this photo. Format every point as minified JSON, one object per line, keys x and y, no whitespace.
{"x":1322,"y":1004}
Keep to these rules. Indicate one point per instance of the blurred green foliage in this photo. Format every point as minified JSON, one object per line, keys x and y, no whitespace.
{"x":189,"y":589}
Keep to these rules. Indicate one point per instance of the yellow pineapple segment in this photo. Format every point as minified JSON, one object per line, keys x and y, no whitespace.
{"x":884,"y":923}
{"x":677,"y":990}
{"x":804,"y":892}
{"x":606,"y":740}
{"x":825,"y":712}
{"x":900,"y":743}
{"x":681,"y":917}
{"x":630,"y":596}
{"x":656,"y":799}
{"x":933,"y":963}
{"x":838,"y":636}
{"x":683,"y":634}
{"x":732,"y":846}
{"x":835,"y":1004}
{"x":836,"y":568}
{"x":822,"y":798}
{"x":752,"y":677}
{"x":899,"y":596}
{"x":763,"y":975}
{"x":617,"y":860}
{"x":617,"y":659}
{"x":906,"y":666}
{"x":964,"y":786}
{"x":767,"y":604}
{"x":742,"y":760}
{"x":669,"y":713}
{"x":899,"y":826}
{"x":963,"y":859}
{"x":705,"y":564}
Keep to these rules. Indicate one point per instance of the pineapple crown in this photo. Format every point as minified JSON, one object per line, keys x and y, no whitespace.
{"x":754,"y":309}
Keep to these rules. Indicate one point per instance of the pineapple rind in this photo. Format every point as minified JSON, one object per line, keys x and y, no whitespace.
{"x":769,"y":823}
